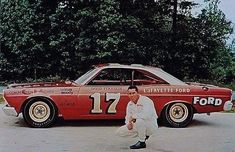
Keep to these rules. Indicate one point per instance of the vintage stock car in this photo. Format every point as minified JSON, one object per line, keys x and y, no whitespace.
{"x":101,"y":93}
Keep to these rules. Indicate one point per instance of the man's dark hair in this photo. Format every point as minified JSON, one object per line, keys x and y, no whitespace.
{"x":133,"y":87}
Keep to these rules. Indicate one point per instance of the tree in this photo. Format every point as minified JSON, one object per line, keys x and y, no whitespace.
{"x":200,"y":43}
{"x":109,"y":32}
{"x":16,"y":37}
{"x":62,"y":38}
{"x":216,"y":30}
{"x":25,"y":30}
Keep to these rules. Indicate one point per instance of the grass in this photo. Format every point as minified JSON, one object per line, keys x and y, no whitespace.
{"x":1,"y":99}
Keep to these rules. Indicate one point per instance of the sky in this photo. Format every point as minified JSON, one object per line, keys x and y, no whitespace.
{"x":228,"y":7}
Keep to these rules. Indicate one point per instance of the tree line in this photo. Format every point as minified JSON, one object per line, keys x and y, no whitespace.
{"x":47,"y":39}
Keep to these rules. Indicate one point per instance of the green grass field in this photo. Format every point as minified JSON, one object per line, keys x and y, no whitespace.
{"x":1,"y":99}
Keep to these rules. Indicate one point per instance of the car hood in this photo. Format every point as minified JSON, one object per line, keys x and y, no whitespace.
{"x":42,"y":84}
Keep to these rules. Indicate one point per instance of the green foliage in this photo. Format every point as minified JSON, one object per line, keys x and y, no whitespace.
{"x":216,"y":36}
{"x":200,"y":44}
{"x":60,"y":39}
{"x":24,"y":37}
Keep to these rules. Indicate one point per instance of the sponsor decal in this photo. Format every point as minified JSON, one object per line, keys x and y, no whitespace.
{"x":67,"y":104}
{"x":106,"y":89}
{"x":66,"y":91}
{"x":14,"y":92}
{"x":31,"y":91}
{"x":207,"y":101}
{"x":167,"y":90}
{"x":28,"y":91}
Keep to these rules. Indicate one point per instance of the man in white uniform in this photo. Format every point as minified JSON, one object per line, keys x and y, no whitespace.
{"x":141,"y":118}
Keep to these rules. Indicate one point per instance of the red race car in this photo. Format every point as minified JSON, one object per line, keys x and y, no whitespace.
{"x":101,"y":94}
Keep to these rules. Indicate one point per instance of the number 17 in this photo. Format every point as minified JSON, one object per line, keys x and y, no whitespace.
{"x":109,"y":97}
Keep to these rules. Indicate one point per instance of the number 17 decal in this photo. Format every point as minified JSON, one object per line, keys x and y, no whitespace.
{"x":109,"y":97}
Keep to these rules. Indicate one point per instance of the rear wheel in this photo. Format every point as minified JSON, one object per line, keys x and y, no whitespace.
{"x":40,"y":112}
{"x":178,"y":115}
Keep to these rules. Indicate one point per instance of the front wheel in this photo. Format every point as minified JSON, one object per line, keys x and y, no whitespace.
{"x":39,"y":112}
{"x":178,"y":115}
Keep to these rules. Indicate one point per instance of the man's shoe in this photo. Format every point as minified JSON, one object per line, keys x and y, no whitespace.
{"x":146,"y":138}
{"x":138,"y":145}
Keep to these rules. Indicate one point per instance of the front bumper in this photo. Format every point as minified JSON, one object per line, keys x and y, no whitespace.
{"x":10,"y":111}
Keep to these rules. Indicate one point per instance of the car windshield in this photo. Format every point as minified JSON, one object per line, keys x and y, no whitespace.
{"x":85,"y":76}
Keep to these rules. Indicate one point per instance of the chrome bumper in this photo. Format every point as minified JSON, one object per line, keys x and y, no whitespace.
{"x":10,"y":111}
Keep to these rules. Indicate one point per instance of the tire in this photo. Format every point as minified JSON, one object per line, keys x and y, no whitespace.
{"x":178,"y":115}
{"x":40,"y":112}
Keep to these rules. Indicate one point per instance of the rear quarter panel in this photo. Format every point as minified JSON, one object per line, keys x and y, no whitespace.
{"x":203,"y":100}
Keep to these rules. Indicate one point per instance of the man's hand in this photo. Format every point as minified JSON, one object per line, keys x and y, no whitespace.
{"x":132,"y":120}
{"x":130,"y":126}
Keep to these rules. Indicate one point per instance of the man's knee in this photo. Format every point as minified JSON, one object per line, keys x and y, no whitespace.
{"x":124,"y":132}
{"x":140,"y":124}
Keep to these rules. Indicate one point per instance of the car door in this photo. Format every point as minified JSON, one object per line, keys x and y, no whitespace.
{"x":152,"y":86}
{"x":104,"y":96}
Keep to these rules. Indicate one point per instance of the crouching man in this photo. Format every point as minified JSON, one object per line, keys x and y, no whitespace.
{"x":141,"y":118}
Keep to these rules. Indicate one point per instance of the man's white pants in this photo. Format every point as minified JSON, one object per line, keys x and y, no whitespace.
{"x":141,"y":128}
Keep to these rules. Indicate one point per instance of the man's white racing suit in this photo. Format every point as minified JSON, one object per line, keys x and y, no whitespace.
{"x":146,"y":119}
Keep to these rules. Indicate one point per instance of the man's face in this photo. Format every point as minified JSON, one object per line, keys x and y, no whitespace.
{"x":133,"y":95}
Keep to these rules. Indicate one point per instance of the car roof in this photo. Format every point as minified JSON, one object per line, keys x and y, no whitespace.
{"x":117,"y":65}
{"x":154,"y":70}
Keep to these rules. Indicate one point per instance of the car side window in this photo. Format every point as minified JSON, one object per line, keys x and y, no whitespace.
{"x":112,"y":76}
{"x":142,"y":77}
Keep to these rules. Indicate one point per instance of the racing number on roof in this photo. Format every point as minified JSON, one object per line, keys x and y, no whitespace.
{"x":109,"y":97}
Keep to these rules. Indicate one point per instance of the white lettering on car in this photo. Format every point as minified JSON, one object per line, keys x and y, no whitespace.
{"x":207,"y":101}
{"x":113,"y":98}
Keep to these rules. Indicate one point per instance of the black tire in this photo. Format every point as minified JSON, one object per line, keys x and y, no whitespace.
{"x":178,"y":115}
{"x":40,"y":112}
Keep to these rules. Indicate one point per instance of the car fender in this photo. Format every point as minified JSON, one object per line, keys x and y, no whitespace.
{"x":177,"y":101}
{"x":34,"y":95}
{"x":39,"y":94}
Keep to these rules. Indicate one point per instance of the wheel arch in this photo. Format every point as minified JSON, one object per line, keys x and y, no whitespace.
{"x":40,"y":96}
{"x":178,"y":101}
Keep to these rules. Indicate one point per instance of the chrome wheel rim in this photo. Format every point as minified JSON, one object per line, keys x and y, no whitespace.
{"x":179,"y":112}
{"x":39,"y":111}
